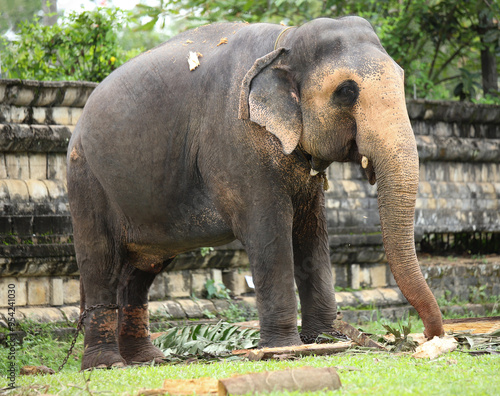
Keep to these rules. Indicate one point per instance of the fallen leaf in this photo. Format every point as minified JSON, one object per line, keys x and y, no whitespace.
{"x":35,"y":370}
{"x":223,"y":40}
{"x":435,"y":347}
{"x":193,"y":61}
{"x":189,"y":41}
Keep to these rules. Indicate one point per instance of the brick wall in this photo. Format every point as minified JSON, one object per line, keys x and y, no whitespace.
{"x":459,"y":148}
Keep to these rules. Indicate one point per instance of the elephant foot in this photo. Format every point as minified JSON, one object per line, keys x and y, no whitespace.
{"x":140,"y":350}
{"x":102,"y":357}
{"x":275,"y":342}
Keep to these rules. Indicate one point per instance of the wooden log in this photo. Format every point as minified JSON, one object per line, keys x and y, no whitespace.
{"x":299,"y":350}
{"x":355,"y":335}
{"x":196,"y":386}
{"x":301,"y":379}
{"x":474,"y":325}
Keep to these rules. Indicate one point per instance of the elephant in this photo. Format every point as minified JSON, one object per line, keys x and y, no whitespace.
{"x":171,"y":155}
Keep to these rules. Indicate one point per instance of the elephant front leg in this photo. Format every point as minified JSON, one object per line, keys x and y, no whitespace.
{"x":100,"y":342}
{"x":313,"y":271}
{"x":134,"y":339}
{"x":269,"y":247}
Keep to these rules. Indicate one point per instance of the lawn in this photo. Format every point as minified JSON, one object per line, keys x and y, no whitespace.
{"x":361,"y":371}
{"x":456,"y":373}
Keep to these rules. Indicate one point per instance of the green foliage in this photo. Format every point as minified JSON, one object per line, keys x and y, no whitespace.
{"x":367,"y":373}
{"x":437,"y":42}
{"x":39,"y":347}
{"x":402,"y":342}
{"x":206,"y":250}
{"x":185,"y":14}
{"x":213,"y":340}
{"x":239,"y":313}
{"x":84,"y":46}
{"x":216,"y":290}
{"x":13,"y":12}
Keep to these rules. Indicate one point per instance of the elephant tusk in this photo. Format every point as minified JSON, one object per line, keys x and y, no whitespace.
{"x":364,"y":162}
{"x":314,"y":172}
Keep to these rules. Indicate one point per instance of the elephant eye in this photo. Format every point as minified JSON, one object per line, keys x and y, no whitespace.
{"x":346,"y":94}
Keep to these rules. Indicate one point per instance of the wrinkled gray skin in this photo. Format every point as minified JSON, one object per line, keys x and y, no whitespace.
{"x":165,"y":160}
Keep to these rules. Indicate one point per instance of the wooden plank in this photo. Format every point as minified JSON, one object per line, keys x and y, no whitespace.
{"x":355,"y":335}
{"x":299,"y":350}
{"x":474,"y":325}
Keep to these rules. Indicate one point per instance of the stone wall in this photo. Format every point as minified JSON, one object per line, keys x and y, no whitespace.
{"x":459,"y":148}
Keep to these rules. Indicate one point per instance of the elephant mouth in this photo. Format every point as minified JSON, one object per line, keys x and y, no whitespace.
{"x":318,"y":165}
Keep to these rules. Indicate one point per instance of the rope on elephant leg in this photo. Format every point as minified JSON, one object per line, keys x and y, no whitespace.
{"x":79,"y":327}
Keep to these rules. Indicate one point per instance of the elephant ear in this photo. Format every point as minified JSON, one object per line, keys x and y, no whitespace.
{"x":270,"y":98}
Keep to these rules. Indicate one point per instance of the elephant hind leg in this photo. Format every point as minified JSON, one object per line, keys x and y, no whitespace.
{"x":98,"y":255}
{"x":134,"y":337}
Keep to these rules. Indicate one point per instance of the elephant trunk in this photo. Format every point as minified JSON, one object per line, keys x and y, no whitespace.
{"x":396,"y":169}
{"x":386,"y":138}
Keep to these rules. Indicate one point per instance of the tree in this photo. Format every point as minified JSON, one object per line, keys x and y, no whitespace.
{"x":83,"y":46}
{"x":49,"y":8}
{"x":13,"y":12}
{"x":439,"y":43}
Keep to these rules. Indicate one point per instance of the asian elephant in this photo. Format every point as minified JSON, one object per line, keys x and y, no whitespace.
{"x":167,"y":158}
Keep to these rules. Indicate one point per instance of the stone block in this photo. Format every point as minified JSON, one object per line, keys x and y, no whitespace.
{"x":61,"y":115}
{"x":43,"y":314}
{"x":378,"y":275}
{"x":354,"y":188}
{"x":38,"y":291}
{"x":216,"y":275}
{"x":39,"y":115}
{"x":341,"y":276}
{"x":477,"y":309}
{"x":392,"y":296}
{"x":191,"y":308}
{"x":355,"y":276}
{"x":18,"y":115}
{"x":249,"y":301}
{"x":206,"y":305}
{"x":352,"y":171}
{"x":71,"y":291}
{"x":76,"y":113}
{"x":38,"y":166}
{"x":56,"y":189}
{"x":346,"y":299}
{"x":176,"y":285}
{"x":56,"y":292}
{"x":198,"y":281}
{"x":370,"y":297}
{"x":3,"y":167}
{"x":56,"y":166}
{"x":239,"y":260}
{"x":221,"y":305}
{"x":174,"y":309}
{"x":19,"y":289}
{"x":336,"y":171}
{"x":17,"y":165}
{"x":37,"y":190}
{"x":71,"y":314}
{"x":157,"y":289}
{"x":235,"y":281}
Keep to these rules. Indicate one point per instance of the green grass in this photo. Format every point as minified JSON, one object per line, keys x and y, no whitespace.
{"x":362,"y":372}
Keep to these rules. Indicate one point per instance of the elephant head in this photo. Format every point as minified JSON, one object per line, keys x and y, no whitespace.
{"x":331,"y":88}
